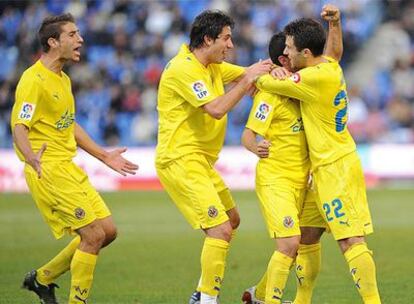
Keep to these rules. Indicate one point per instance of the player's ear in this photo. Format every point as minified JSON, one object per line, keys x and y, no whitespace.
{"x":283,"y":60}
{"x":306,"y":53}
{"x":208,"y":40}
{"x":53,"y":43}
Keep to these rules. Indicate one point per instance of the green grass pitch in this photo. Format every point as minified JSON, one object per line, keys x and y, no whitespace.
{"x":156,"y":256}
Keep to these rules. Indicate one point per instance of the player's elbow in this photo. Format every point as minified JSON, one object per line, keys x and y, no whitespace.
{"x":214,"y":111}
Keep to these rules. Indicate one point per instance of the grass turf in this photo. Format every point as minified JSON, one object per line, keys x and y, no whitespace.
{"x":156,"y":256}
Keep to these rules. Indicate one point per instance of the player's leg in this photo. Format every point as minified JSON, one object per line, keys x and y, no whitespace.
{"x":344,"y":203}
{"x":308,"y":260}
{"x":188,"y":182}
{"x":362,"y":267}
{"x":84,"y":260}
{"x":279,"y":267}
{"x":308,"y":263}
{"x":213,"y":261}
{"x":280,"y":205}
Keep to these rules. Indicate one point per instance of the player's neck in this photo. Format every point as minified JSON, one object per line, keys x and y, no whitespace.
{"x":53,"y":63}
{"x":202,"y":56}
{"x":312,"y":61}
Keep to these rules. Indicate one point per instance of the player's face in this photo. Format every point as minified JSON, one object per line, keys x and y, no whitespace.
{"x":70,"y":42}
{"x":297,"y":61}
{"x":221,"y":45}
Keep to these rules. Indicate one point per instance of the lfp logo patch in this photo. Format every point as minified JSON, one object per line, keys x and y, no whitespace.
{"x":262,"y":111}
{"x":27,"y":111}
{"x":200,"y":90}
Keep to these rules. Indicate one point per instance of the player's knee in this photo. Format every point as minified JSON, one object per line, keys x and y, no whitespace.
{"x":288,"y":246}
{"x":93,"y":237}
{"x":235,"y":221}
{"x":110,"y":235}
{"x":347,"y":243}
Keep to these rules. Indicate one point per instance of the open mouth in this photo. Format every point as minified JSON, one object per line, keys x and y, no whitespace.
{"x":77,"y":51}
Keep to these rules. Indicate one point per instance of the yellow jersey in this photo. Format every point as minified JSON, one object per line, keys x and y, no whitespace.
{"x":278,"y":120}
{"x":45,"y":104}
{"x":324,"y":106}
{"x":183,"y":126}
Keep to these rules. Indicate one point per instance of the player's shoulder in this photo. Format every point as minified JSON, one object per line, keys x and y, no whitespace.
{"x":32,"y":75}
{"x":273,"y":99}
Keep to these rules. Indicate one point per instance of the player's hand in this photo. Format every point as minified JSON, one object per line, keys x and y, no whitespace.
{"x":280,"y":73}
{"x":117,"y":162}
{"x":263,"y":148}
{"x":257,"y":69}
{"x":330,"y":13}
{"x":35,"y":161}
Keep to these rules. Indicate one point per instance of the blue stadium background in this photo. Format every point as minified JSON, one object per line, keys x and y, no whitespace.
{"x":127,"y":44}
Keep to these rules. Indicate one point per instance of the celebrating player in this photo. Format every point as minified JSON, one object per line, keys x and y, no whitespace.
{"x":320,"y":86}
{"x":192,"y":107}
{"x":287,"y":205}
{"x":45,"y":137}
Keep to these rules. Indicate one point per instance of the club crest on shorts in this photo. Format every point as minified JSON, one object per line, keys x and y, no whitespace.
{"x":288,"y":222}
{"x":200,"y":89}
{"x":212,"y":212}
{"x":79,"y":213}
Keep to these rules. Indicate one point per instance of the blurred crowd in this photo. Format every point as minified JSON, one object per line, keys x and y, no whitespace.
{"x":128,"y":42}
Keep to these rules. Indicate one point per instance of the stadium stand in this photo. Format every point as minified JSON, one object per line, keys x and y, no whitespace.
{"x":127,"y":44}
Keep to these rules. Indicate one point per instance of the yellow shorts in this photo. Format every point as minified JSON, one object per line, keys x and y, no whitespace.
{"x":65,"y":197}
{"x":286,"y":208}
{"x":197,"y":190}
{"x":342,"y":197}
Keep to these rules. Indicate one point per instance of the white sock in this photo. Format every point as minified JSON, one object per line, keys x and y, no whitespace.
{"x":207,"y":299}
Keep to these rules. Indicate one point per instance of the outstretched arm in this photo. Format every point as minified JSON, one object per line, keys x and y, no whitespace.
{"x":113,"y":159}
{"x":334,"y":43}
{"x":218,"y":107}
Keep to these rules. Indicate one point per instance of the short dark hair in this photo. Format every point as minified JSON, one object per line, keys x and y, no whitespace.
{"x":276,"y":47}
{"x":208,"y":23}
{"x":51,"y":27}
{"x":307,"y":33}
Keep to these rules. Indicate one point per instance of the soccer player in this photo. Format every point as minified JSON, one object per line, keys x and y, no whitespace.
{"x":320,"y":86}
{"x":45,"y":137}
{"x":287,"y":205}
{"x":192,"y":107}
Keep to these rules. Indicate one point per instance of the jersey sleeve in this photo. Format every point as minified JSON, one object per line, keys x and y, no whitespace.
{"x":261,"y":113}
{"x":193,"y":86}
{"x":27,"y":101}
{"x":302,"y":85}
{"x":230,"y":72}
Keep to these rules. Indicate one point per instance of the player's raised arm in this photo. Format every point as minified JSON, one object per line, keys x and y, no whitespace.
{"x":21,"y":139}
{"x":219,"y":106}
{"x":112,"y":159}
{"x":334,"y":43}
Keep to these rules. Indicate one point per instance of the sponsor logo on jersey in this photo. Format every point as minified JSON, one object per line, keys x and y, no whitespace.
{"x":65,"y":120}
{"x":79,"y":213}
{"x":200,"y":90}
{"x":262,"y":111}
{"x":288,"y":222}
{"x":212,"y":211}
{"x":27,"y":111}
{"x":295,"y":77}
